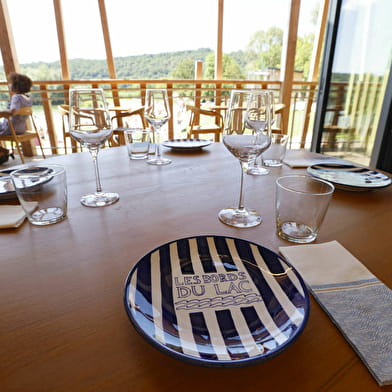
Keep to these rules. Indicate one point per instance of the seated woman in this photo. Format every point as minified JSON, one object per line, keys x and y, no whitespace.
{"x":19,"y":86}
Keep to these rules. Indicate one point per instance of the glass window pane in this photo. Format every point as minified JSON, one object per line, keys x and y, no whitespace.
{"x":256,"y":28}
{"x":35,"y":37}
{"x":151,"y":27}
{"x":359,"y":75}
{"x":83,"y":30}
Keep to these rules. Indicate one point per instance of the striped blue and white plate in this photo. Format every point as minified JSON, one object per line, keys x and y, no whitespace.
{"x":350,"y":177}
{"x":216,"y":301}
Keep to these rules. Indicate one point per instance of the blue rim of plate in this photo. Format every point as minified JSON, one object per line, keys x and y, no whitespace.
{"x":186,"y":144}
{"x":216,"y":301}
{"x":350,"y":177}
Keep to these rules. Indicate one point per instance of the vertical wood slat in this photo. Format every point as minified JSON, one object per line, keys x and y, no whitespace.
{"x":65,"y":73}
{"x":169,"y":88}
{"x":288,"y":63}
{"x":197,"y":97}
{"x":314,"y":66}
{"x":7,"y":44}
{"x":219,"y":46}
{"x":49,"y":118}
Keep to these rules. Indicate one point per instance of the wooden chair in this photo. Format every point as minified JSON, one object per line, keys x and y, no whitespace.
{"x":118,"y":127}
{"x":196,"y":126}
{"x":64,"y":112}
{"x":31,"y":132}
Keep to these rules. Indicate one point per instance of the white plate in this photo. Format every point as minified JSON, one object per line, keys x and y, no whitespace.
{"x":7,"y":190}
{"x":216,"y":301}
{"x":350,"y":177}
{"x":186,"y":144}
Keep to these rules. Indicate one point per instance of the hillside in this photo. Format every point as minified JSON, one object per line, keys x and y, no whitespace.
{"x":147,"y":66}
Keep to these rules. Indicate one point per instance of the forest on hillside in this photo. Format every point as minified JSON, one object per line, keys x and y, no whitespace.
{"x":263,"y":50}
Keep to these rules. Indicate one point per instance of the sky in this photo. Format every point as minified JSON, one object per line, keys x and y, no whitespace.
{"x":144,"y":27}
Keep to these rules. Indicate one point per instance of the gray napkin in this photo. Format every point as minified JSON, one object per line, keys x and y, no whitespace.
{"x":358,"y":303}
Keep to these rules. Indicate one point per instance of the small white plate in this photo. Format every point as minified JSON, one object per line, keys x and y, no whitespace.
{"x":186,"y":144}
{"x":7,"y":190}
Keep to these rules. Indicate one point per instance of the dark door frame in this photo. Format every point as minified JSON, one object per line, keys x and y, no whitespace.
{"x":326,"y":70}
{"x":381,"y":156}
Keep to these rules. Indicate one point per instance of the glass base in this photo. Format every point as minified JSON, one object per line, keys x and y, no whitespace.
{"x":99,"y":199}
{"x":273,"y":162}
{"x":158,"y":161}
{"x":257,"y":171}
{"x":47,"y":216}
{"x":296,"y":232}
{"x":240,"y":218}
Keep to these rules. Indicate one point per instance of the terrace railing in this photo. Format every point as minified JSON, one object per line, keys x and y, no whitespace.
{"x":47,"y":95}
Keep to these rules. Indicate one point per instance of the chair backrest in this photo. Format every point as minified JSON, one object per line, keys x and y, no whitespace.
{"x":30,"y":123}
{"x":63,"y":110}
{"x":25,"y":111}
{"x":196,"y":112}
{"x":130,"y":113}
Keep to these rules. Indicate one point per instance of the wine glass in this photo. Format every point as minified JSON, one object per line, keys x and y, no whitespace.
{"x":89,"y":124}
{"x":262,"y":103}
{"x":157,"y":113}
{"x":245,"y":144}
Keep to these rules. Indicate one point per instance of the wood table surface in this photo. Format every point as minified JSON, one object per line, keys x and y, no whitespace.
{"x":63,"y":326}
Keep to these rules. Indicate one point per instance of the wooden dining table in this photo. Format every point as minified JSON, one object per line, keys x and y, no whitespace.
{"x":63,"y":326}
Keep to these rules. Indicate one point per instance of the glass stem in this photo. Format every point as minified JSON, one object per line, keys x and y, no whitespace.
{"x":157,"y":144}
{"x":94,"y":155}
{"x":244,"y":167}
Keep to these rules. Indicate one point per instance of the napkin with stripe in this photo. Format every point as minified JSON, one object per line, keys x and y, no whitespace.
{"x":358,"y":303}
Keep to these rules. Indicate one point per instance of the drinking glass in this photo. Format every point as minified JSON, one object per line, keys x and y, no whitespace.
{"x":241,"y":139}
{"x":89,"y":124}
{"x":262,"y":107}
{"x":157,"y":114}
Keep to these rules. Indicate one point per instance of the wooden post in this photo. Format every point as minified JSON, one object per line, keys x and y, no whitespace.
{"x":7,"y":44}
{"x":169,"y":88}
{"x":109,"y":52}
{"x":288,"y":60}
{"x":198,"y":69}
{"x":65,"y":74}
{"x":219,"y":50}
{"x":49,"y":118}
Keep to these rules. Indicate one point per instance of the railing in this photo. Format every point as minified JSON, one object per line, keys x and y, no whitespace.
{"x":47,"y":95}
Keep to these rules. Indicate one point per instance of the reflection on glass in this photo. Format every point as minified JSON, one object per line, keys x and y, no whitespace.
{"x":360,"y":72}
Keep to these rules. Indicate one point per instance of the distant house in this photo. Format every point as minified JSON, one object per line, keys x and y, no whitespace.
{"x":271,"y":73}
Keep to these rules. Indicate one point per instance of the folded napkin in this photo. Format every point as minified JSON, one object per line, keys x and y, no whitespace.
{"x":11,"y":216}
{"x":357,"y":302}
{"x":303,"y":158}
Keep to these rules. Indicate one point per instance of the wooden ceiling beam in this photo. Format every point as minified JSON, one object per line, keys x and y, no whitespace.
{"x":7,"y":44}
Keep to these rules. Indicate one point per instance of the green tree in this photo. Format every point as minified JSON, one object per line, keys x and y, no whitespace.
{"x":230,"y":68}
{"x":265,"y":49}
{"x":184,"y":70}
{"x":304,"y":54}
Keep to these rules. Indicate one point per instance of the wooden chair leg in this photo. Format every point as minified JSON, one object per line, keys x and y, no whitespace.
{"x":20,"y":152}
{"x":42,"y":150}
